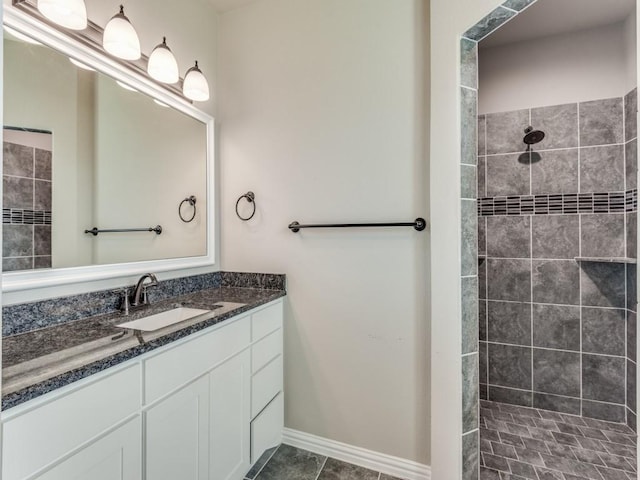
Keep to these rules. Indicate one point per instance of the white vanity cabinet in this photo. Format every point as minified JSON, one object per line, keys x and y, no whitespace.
{"x":202,"y":408}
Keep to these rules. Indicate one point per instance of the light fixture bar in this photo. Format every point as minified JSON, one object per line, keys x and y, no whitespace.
{"x":91,"y":37}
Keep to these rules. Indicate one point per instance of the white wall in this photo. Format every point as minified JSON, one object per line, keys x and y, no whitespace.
{"x":322,"y":111}
{"x":568,"y":68}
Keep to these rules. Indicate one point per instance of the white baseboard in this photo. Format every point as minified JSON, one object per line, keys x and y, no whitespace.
{"x":380,"y":462}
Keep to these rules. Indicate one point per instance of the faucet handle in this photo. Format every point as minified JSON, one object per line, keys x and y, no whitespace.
{"x":126,"y":299}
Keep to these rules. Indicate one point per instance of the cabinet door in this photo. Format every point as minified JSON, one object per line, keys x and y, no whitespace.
{"x":178,"y":435}
{"x":117,"y":456}
{"x":230,"y":417}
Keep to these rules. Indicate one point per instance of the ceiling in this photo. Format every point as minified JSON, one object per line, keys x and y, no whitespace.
{"x":226,"y":5}
{"x":552,"y":17}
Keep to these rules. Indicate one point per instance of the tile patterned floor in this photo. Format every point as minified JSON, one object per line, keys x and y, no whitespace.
{"x":290,"y":463}
{"x":519,"y":443}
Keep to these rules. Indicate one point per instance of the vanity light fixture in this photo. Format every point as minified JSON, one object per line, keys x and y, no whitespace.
{"x":70,"y":14}
{"x":162,"y":104}
{"x":162,"y":64}
{"x":120,"y":39}
{"x":81,"y":65}
{"x":125,"y":86}
{"x":20,"y":36}
{"x":195,"y":85}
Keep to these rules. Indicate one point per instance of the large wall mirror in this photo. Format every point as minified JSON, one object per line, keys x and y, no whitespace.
{"x":88,"y":145}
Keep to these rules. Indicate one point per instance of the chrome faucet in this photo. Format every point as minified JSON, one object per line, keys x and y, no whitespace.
{"x":139,"y":295}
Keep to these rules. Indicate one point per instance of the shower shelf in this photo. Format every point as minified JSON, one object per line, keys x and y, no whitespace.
{"x":607,"y":260}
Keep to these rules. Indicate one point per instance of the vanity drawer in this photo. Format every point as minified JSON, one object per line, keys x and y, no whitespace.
{"x":171,"y":369}
{"x":40,"y":436}
{"x":266,"y":350}
{"x":265,"y":385}
{"x":266,"y":428}
{"x":266,"y":321}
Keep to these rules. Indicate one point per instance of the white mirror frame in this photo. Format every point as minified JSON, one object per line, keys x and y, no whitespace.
{"x":25,"y":280}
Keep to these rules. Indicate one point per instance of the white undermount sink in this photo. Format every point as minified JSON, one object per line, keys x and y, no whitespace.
{"x":164,"y":319}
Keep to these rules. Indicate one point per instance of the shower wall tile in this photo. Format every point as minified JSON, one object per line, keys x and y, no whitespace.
{"x":482,"y":279}
{"x":470,"y":456}
{"x":632,"y":335}
{"x":556,"y":372}
{"x":17,"y":241}
{"x":603,"y":378}
{"x":556,"y":236}
{"x":556,"y":327}
{"x":603,"y":235}
{"x":482,"y":236}
{"x":468,"y":181}
{"x":482,"y":319}
{"x":469,"y":315}
{"x":13,"y":264}
{"x":482,"y":132}
{"x":631,"y":164}
{"x":509,"y":395}
{"x":631,"y":386}
{"x":509,"y":322}
{"x":42,"y":195}
{"x":601,"y":122}
{"x":482,"y":177}
{"x":42,"y":240}
{"x":602,"y":169}
{"x":555,"y":172}
{"x":42,"y":262}
{"x":631,"y":287}
{"x":557,"y":403}
{"x":43,"y":164}
{"x":603,"y":411}
{"x":470,"y":381}
{"x":556,"y":282}
{"x":17,"y":160}
{"x":509,"y":237}
{"x":603,"y":284}
{"x":483,"y":363}
{"x":631,"y":114}
{"x":509,"y":280}
{"x":17,"y":192}
{"x":505,"y":132}
{"x":469,"y":126}
{"x":517,"y":4}
{"x":469,"y":63}
{"x":510,"y":366}
{"x":632,"y":234}
{"x":508,"y":175}
{"x":469,"y":239}
{"x":560,"y":124}
{"x":489,"y":23}
{"x":604,"y":331}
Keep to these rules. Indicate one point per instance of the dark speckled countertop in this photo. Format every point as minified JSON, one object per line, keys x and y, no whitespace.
{"x":40,"y":361}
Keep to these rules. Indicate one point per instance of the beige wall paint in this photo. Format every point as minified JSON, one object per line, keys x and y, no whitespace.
{"x":322,"y":107}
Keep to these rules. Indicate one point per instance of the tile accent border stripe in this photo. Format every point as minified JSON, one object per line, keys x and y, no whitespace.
{"x":380,"y":462}
{"x":18,"y":216}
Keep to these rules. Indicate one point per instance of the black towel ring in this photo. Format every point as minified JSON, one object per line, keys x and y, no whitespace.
{"x":251,"y":198}
{"x":192,"y":201}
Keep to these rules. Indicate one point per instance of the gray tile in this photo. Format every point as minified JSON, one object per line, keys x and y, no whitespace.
{"x":488,"y":474}
{"x":631,"y":388}
{"x":469,"y":125}
{"x":517,"y":4}
{"x":290,"y":463}
{"x":557,"y":403}
{"x":611,"y":474}
{"x":556,"y":236}
{"x":337,"y":470}
{"x":603,"y":378}
{"x":602,"y":169}
{"x":469,"y":315}
{"x":603,"y":331}
{"x":556,"y":327}
{"x":505,"y":132}
{"x":617,"y":462}
{"x":16,"y":264}
{"x":42,"y":261}
{"x":470,"y":379}
{"x":522,"y":469}
{"x":17,"y":193}
{"x":469,"y":238}
{"x":631,"y":114}
{"x":561,"y":450}
{"x":470,"y":456}
{"x":482,"y":320}
{"x":603,"y":411}
{"x":482,"y":177}
{"x":632,"y":234}
{"x":603,"y":235}
{"x":631,"y":164}
{"x":603,"y":284}
{"x":469,"y":63}
{"x":468,"y":181}
{"x":555,"y":172}
{"x":508,"y":175}
{"x":509,"y":322}
{"x":529,"y":456}
{"x":42,"y":195}
{"x":560,"y":125}
{"x":506,"y":451}
{"x":17,"y":160}
{"x":494,"y":462}
{"x":510,"y":366}
{"x":482,"y":279}
{"x":388,"y":477}
{"x":556,"y":281}
{"x":483,"y":363}
{"x":489,"y":23}
{"x":264,"y":458}
{"x":484,"y":391}
{"x":587,"y":456}
{"x":42,"y":240}
{"x":509,"y":237}
{"x":17,"y":241}
{"x":556,"y":372}
{"x":546,"y":474}
{"x":632,"y":334}
{"x":43,"y":165}
{"x":482,"y":132}
{"x":509,"y":279}
{"x":631,"y":287}
{"x":632,"y":420}
{"x":482,"y":236}
{"x":601,"y":122}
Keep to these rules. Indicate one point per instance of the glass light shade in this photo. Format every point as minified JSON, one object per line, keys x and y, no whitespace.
{"x":125,"y":86}
{"x":195,"y":85}
{"x":70,"y":14}
{"x":20,"y":36}
{"x":81,"y":65}
{"x":162,"y":64}
{"x":120,"y":38}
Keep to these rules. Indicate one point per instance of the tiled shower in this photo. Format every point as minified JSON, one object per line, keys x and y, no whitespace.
{"x":557,"y":268}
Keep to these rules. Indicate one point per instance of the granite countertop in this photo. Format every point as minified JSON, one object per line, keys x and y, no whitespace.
{"x":42,"y":360}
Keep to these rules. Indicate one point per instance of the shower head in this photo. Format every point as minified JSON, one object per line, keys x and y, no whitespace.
{"x":532,"y":136}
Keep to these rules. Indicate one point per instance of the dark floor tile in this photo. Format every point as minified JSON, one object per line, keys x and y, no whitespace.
{"x":336,"y":470}
{"x":574,"y":420}
{"x":264,"y":458}
{"x":568,"y":428}
{"x":591,"y":444}
{"x":290,"y":463}
{"x":611,"y":474}
{"x":529,"y":456}
{"x":533,"y":445}
{"x":565,"y":439}
{"x":494,"y":462}
{"x":620,"y":438}
{"x":521,"y":410}
{"x":522,"y":469}
{"x":520,"y":430}
{"x":526,"y":421}
{"x":617,"y":462}
{"x":546,"y":474}
{"x":487,"y":474}
{"x":485,"y":445}
{"x":593,"y":433}
{"x":510,"y":439}
{"x":588,"y":456}
{"x":561,"y":450}
{"x":503,"y":450}
{"x":388,"y":477}
{"x":618,"y":449}
{"x":541,"y":434}
{"x":490,"y":435}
